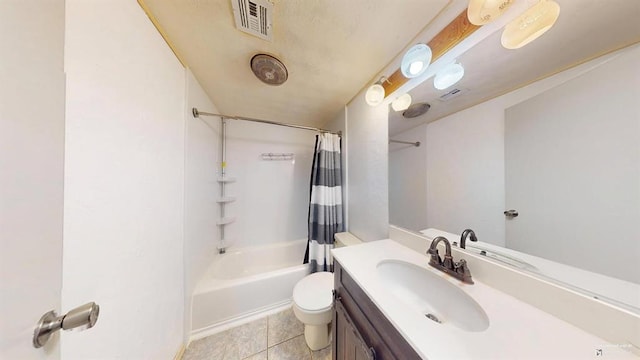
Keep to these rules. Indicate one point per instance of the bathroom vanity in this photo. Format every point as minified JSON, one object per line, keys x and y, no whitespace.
{"x":389,"y":304}
{"x":360,"y":330}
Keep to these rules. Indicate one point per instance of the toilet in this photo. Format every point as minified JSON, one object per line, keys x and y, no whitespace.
{"x":313,"y":306}
{"x":313,"y":301}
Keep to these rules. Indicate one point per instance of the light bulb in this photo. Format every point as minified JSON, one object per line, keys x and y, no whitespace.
{"x":415,"y":67}
{"x":416,"y":60}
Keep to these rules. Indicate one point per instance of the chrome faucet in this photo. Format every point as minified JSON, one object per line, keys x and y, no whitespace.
{"x":459,"y":269}
{"x":463,"y":238}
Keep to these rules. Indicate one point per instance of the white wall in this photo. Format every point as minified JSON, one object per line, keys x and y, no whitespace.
{"x":465,"y":172}
{"x":573,"y":170}
{"x":31,"y":172}
{"x":202,"y":164}
{"x":367,"y":156}
{"x":272,"y":196}
{"x":408,"y":180}
{"x":124,"y":183}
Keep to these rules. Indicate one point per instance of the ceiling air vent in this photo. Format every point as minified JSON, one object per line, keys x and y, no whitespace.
{"x":254,"y":17}
{"x":452,"y":94}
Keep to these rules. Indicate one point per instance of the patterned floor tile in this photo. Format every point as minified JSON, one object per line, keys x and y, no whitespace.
{"x":259,"y":356}
{"x":234,"y":344}
{"x":323,"y":354}
{"x":294,"y":349}
{"x":283,"y":326}
{"x":211,"y":347}
{"x":251,"y":338}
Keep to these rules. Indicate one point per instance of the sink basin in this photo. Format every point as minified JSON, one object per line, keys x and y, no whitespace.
{"x":433,"y":298}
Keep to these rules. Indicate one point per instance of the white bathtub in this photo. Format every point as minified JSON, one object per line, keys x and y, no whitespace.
{"x":245,"y":282}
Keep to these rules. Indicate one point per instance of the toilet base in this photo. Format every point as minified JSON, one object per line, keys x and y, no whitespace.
{"x":317,"y":336}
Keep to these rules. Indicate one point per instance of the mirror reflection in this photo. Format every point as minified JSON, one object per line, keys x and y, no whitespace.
{"x":546,"y":172}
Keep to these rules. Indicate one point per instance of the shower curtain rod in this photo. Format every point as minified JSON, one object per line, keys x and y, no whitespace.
{"x":416,"y":144}
{"x":196,"y":113}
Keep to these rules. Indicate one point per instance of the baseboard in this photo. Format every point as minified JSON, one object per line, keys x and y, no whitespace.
{"x":239,"y":320}
{"x":180,"y":352}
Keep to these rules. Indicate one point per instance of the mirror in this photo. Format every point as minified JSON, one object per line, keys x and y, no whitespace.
{"x":548,"y":131}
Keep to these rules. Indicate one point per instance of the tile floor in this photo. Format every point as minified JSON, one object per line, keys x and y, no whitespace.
{"x":274,"y":337}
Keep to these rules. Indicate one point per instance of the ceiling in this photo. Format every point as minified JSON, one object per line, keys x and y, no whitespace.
{"x":331,"y":48}
{"x":584,"y":30}
{"x":334,"y":48}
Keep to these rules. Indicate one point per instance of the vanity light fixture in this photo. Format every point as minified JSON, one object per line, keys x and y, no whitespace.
{"x":416,"y":60}
{"x":481,"y":12}
{"x":448,"y":76}
{"x":531,"y":24}
{"x":402,"y":103}
{"x":375,"y":93}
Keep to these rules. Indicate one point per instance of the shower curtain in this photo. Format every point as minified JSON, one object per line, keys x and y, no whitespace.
{"x":325,"y":205}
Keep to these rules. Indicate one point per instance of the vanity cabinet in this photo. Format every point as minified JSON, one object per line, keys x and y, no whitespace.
{"x":360,"y":330}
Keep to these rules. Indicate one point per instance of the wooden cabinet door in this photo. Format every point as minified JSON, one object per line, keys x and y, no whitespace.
{"x":349,"y":344}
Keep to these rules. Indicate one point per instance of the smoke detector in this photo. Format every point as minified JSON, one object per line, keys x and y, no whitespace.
{"x":254,"y":17}
{"x":269,"y":69}
{"x":416,"y":110}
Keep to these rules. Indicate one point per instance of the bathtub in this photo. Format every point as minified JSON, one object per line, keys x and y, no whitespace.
{"x":245,"y":282}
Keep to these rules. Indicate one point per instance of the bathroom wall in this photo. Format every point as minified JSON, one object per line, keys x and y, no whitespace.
{"x":408,"y":180}
{"x":31,"y":172}
{"x":124,"y":183}
{"x":272,"y":197}
{"x":465,"y":165}
{"x":367,"y":156}
{"x":580,"y":142}
{"x":473,"y":173}
{"x":202,"y":164}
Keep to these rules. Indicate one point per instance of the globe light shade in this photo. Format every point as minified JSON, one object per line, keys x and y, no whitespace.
{"x":416,"y":60}
{"x":374,"y":95}
{"x":401,"y":103}
{"x":448,"y":76}
{"x":481,"y":12}
{"x":527,"y":27}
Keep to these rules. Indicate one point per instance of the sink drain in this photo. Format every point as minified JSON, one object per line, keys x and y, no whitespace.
{"x":433,"y":317}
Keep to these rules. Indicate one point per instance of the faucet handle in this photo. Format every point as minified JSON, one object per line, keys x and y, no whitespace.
{"x":461,"y":268}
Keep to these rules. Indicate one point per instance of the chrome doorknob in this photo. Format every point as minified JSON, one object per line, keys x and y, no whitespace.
{"x":511,"y":213}
{"x":83,"y":317}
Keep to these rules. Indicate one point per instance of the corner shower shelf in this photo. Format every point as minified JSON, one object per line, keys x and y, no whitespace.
{"x":226,"y":179}
{"x":226,"y":199}
{"x":225,"y":220}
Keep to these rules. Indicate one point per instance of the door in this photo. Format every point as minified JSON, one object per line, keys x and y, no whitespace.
{"x":32,"y":96}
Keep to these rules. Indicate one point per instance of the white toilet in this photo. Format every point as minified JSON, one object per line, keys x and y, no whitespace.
{"x":313,"y":301}
{"x":313,"y":306}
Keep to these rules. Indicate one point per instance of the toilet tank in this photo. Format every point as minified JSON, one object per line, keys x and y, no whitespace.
{"x":345,"y":239}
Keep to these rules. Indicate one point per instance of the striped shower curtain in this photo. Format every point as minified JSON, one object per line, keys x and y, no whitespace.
{"x":325,"y":205}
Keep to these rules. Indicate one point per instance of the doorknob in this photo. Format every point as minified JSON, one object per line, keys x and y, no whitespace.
{"x":82,"y":316}
{"x":511,"y":214}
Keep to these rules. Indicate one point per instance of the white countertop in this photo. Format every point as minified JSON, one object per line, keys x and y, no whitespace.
{"x":517,"y":330}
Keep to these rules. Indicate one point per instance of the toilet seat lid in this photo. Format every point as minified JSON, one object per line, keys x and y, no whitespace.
{"x":313,"y":293}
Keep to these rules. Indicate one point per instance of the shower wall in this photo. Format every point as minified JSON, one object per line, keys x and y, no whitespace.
{"x":202,"y":164}
{"x":272,"y":196}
